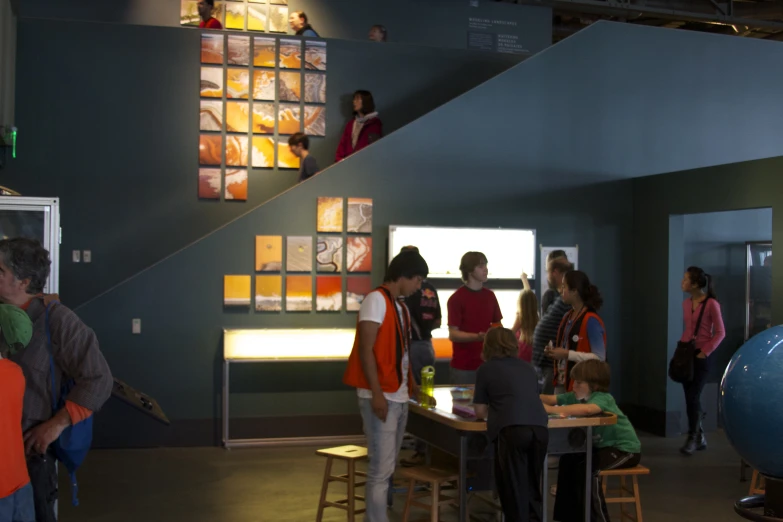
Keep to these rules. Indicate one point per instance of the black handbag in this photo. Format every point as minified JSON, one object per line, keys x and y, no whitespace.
{"x":681,"y":365}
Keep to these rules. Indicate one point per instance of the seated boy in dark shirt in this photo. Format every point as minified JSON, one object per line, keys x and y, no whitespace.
{"x":507,"y":396}
{"x":615,"y":446}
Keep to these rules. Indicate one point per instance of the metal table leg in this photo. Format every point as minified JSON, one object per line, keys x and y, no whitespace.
{"x":225,"y":402}
{"x":463,"y":475}
{"x":588,"y":472}
{"x":545,"y":489}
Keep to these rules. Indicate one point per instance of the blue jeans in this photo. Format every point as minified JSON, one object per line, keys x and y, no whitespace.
{"x":18,"y":506}
{"x":383,"y":447}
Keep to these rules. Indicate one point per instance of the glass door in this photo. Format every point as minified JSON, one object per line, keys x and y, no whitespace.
{"x":34,"y":218}
{"x":758,"y":301}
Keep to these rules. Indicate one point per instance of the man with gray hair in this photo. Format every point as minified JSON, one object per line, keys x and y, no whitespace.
{"x":24,"y":269}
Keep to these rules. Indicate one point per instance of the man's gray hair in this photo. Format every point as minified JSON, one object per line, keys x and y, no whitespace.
{"x":27,"y":259}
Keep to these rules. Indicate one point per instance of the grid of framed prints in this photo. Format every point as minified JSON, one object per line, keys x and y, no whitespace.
{"x":328,"y":272}
{"x":255,"y":91}
{"x":241,"y":15}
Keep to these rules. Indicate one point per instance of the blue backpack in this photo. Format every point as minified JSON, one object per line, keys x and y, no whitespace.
{"x":74,"y":442}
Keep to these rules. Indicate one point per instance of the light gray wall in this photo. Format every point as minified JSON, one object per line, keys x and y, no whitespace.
{"x":436,"y":23}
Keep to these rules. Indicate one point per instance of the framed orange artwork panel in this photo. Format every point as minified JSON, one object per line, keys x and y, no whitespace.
{"x":329,"y":293}
{"x":236,"y":290}
{"x":298,"y":293}
{"x":269,"y":253}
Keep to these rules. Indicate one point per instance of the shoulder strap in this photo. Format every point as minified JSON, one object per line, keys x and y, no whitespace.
{"x":55,"y":397}
{"x":404,"y":328}
{"x":701,"y":314}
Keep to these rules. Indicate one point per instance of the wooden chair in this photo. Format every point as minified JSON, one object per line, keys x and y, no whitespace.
{"x":435,"y":479}
{"x":756,"y":484}
{"x":350,"y":454}
{"x":621,"y":497}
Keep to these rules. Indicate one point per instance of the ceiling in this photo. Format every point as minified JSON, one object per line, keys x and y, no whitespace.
{"x":746,"y":18}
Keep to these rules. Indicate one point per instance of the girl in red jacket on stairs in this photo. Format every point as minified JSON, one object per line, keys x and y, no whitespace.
{"x":364,"y":129}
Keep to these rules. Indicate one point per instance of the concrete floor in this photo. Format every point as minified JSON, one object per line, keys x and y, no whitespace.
{"x":281,"y":485}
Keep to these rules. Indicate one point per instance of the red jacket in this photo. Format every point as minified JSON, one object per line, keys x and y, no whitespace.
{"x":212,"y":23}
{"x":370,"y":133}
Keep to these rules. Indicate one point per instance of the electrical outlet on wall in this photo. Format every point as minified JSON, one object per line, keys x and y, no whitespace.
{"x":136,"y":326}
{"x":77,"y":256}
{"x":87,"y":256}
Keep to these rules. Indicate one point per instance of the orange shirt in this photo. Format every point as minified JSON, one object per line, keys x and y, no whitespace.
{"x":14,"y":475}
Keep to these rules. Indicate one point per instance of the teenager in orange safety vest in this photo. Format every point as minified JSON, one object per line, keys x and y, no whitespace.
{"x":379,"y":369}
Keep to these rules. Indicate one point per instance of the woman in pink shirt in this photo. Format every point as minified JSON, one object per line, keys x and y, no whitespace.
{"x":698,"y":284}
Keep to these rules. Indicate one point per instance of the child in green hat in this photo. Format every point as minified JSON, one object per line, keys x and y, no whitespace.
{"x":16,"y":493}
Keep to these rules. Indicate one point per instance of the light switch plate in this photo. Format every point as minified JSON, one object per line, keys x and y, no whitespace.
{"x":77,"y":256}
{"x":87,"y":256}
{"x":136,"y":326}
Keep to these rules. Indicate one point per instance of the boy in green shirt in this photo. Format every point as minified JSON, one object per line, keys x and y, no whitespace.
{"x":614,"y":447}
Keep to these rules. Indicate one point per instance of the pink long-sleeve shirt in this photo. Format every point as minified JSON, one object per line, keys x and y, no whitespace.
{"x":711,"y":331}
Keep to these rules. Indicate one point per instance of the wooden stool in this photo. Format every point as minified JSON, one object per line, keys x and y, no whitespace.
{"x":434,"y":478}
{"x":350,"y":454}
{"x":756,"y":484}
{"x":621,"y":498}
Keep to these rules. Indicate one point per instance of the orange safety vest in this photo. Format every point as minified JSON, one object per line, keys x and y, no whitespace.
{"x":391,"y":343}
{"x":582,"y":344}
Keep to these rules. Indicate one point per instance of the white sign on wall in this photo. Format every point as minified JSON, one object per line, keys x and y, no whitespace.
{"x":572,"y":253}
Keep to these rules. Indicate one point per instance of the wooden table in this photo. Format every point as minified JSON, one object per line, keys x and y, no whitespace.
{"x":466,"y":439}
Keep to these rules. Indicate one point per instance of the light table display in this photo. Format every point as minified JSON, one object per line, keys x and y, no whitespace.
{"x":274,"y":345}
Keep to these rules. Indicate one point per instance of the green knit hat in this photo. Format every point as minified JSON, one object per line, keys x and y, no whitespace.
{"x":16,"y":327}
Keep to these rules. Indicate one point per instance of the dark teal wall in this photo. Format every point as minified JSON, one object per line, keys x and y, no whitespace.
{"x":731,"y":187}
{"x":546,"y":145}
{"x":108,"y":122}
{"x":177,"y":357}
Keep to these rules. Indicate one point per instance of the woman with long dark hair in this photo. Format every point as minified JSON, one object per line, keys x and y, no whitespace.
{"x":364,"y":129}
{"x":701,"y":303}
{"x":581,"y":335}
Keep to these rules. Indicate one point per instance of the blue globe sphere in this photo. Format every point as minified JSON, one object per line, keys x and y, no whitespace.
{"x":751,"y":401}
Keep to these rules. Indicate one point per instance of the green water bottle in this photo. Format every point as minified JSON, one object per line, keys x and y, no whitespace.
{"x":427,"y":385}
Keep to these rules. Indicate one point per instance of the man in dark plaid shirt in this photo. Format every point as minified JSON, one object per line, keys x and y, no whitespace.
{"x":24,"y":269}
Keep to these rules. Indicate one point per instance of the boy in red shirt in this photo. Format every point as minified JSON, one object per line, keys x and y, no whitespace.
{"x":16,"y":492}
{"x":473,"y":310}
{"x":205,"y":9}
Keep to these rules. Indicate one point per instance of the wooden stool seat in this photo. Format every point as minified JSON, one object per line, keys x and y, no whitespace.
{"x":619,"y":496}
{"x":438,"y":480}
{"x":344,"y":452}
{"x":350,"y":454}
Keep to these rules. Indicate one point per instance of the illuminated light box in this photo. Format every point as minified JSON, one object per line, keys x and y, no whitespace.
{"x":507,"y":299}
{"x":509,"y":251}
{"x":288,"y":344}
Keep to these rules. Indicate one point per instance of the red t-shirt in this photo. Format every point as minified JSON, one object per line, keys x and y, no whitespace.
{"x":212,"y":23}
{"x":473,"y":312}
{"x":14,"y":475}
